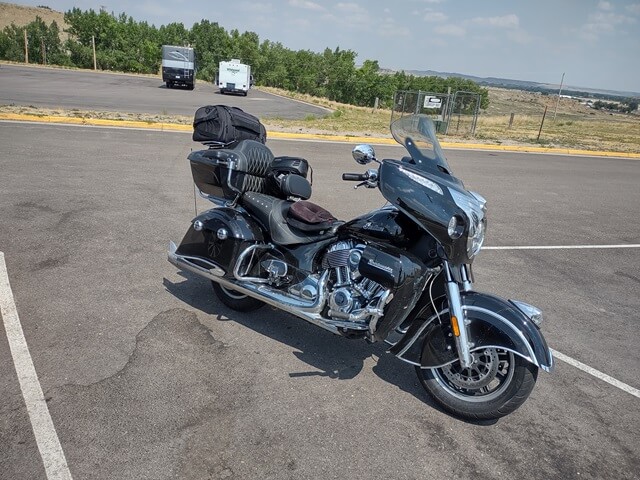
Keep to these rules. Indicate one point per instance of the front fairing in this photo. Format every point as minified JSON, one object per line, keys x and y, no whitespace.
{"x":423,"y":187}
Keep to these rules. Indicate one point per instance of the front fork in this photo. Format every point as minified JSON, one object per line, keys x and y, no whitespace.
{"x":458,"y":321}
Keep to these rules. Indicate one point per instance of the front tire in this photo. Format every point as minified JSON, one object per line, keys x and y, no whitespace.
{"x":236,"y":300}
{"x":495,"y":385}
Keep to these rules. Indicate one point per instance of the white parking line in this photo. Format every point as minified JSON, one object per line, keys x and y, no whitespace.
{"x":562,"y":247}
{"x":596,"y":373}
{"x":55,"y":463}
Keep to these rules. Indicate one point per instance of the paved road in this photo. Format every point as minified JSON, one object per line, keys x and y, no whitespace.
{"x":69,"y":89}
{"x":148,"y":376}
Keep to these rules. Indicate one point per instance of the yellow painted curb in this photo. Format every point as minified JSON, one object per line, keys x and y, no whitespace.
{"x":94,"y":121}
{"x":306,"y":136}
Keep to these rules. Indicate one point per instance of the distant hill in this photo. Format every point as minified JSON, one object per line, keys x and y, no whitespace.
{"x":21,"y":15}
{"x":526,"y":85}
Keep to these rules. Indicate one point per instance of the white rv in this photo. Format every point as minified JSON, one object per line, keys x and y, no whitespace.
{"x":234,"y":76}
{"x":178,"y":66}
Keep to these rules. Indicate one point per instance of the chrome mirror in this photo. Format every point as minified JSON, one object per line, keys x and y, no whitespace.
{"x":364,"y":154}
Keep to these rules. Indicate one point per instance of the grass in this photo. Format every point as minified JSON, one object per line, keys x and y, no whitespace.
{"x":575,"y":125}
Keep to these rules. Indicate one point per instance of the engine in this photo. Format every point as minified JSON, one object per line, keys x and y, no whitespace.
{"x":350,"y":293}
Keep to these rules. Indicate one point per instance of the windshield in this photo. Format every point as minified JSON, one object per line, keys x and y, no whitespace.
{"x":417,"y":133}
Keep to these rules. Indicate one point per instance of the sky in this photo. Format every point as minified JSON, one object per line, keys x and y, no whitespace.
{"x":595,"y":43}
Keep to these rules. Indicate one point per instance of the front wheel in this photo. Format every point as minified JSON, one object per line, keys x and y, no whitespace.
{"x":496,"y":384}
{"x":236,"y":300}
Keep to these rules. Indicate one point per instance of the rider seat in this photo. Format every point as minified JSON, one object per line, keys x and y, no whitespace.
{"x":289,"y":222}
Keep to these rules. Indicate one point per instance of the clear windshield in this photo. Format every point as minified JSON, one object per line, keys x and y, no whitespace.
{"x":417,"y":133}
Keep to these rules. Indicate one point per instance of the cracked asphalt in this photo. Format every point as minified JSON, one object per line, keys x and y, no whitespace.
{"x":148,"y":376}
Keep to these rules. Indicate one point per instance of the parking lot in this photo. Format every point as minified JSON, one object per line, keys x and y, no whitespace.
{"x":147,"y":375}
{"x":144,"y":374}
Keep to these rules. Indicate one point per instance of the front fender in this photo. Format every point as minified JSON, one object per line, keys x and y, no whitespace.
{"x":493,"y":322}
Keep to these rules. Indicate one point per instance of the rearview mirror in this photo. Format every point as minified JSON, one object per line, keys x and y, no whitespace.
{"x":363,"y":154}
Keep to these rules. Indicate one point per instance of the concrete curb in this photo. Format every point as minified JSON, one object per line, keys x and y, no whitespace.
{"x":305,"y":136}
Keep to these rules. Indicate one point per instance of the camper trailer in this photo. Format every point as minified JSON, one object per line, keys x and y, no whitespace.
{"x":234,"y":76}
{"x":178,"y":66}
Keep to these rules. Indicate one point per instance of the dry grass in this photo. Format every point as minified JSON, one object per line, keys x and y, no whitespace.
{"x":340,"y":118}
{"x":22,"y":15}
{"x":575,"y":125}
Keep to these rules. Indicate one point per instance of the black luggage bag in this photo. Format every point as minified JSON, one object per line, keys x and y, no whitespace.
{"x":223,"y":126}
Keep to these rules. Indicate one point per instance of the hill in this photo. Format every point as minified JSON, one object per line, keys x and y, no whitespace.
{"x":528,"y":85}
{"x":22,"y":15}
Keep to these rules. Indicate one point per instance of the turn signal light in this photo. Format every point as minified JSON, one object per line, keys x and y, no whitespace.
{"x":454,"y":326}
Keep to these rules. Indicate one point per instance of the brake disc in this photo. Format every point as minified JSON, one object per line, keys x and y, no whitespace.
{"x":479,"y":374}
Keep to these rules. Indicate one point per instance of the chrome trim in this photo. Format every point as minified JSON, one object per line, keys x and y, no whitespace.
{"x":240,"y":260}
{"x":309,"y":311}
{"x":455,"y":304}
{"x":174,"y":258}
{"x":363,"y":154}
{"x":531,"y":312}
{"x":419,"y":179}
{"x":531,"y":358}
{"x":220,"y":202}
{"x":467,"y":284}
{"x":379,"y":313}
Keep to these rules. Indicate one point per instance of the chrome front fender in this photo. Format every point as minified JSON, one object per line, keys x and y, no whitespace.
{"x":492,"y":322}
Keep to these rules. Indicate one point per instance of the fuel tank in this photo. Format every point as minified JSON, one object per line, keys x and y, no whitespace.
{"x":385,"y":225}
{"x":389,"y":226}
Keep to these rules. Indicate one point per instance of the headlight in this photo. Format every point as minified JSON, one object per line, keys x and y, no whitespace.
{"x":475,"y":207}
{"x":476,"y":237}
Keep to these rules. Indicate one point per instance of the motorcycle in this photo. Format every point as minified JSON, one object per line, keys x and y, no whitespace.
{"x":401,"y":274}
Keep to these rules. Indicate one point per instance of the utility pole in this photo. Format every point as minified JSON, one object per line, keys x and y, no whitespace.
{"x":93,"y":44}
{"x":43,"y":49}
{"x":558,"y":99}
{"x":26,"y":46}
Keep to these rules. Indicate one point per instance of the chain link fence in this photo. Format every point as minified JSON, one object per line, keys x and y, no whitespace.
{"x":453,"y":113}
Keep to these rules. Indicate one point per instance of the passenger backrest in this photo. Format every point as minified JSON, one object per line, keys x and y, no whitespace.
{"x":253,"y":165}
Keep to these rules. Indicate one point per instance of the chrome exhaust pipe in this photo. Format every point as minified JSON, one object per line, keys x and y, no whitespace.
{"x":309,"y":311}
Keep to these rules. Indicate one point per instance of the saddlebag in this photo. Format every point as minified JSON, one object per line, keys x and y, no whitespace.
{"x":223,"y":126}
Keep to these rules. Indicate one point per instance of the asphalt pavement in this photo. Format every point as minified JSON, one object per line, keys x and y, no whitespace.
{"x":147,"y":375}
{"x":102,"y":91}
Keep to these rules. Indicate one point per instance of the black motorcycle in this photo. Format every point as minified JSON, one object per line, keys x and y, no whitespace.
{"x":400,"y":274}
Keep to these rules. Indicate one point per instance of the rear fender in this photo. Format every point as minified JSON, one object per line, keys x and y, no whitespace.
{"x":493,"y":322}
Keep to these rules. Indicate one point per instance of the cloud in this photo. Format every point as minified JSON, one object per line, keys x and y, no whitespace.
{"x":435,"y":17}
{"x":634,"y":8}
{"x":307,"y":5}
{"x":606,"y":6}
{"x":390,"y":28}
{"x":353,"y":15}
{"x":505,"y":21}
{"x":256,"y":8}
{"x":350,"y":8}
{"x":450,"y":30}
{"x":520,"y":36}
{"x":602,"y":22}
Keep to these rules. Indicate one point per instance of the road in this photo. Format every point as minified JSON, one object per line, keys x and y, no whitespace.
{"x":147,"y":375}
{"x":101,"y":91}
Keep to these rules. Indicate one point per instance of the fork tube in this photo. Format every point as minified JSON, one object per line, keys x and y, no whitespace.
{"x":455,"y":310}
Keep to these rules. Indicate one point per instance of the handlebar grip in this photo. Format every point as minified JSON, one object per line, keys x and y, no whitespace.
{"x":355,"y":177}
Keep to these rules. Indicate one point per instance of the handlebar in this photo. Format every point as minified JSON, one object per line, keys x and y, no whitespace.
{"x":355,"y":177}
